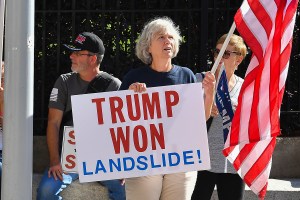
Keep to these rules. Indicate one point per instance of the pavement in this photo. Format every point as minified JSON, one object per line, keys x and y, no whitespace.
{"x":278,"y":189}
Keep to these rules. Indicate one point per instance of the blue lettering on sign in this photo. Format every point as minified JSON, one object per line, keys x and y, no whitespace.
{"x":113,"y":164}
{"x":84,"y":169}
{"x":128,"y":165}
{"x":174,"y":159}
{"x":100,"y":167}
{"x":142,"y":163}
{"x":153,"y":165}
{"x":186,"y":156}
{"x":163,"y":156}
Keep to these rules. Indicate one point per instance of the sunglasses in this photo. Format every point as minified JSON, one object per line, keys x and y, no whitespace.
{"x":226,"y":54}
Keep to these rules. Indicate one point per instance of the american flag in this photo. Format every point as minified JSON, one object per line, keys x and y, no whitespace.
{"x":267,"y":28}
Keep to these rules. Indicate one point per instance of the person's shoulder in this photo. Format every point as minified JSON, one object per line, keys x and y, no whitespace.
{"x":185,"y":74}
{"x":109,"y":77}
{"x":183,"y":69}
{"x":115,"y":80}
{"x":106,"y":75}
{"x":68,"y":76}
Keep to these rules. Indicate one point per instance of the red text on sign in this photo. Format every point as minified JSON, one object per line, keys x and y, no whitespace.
{"x":150,"y":106}
{"x":140,"y":138}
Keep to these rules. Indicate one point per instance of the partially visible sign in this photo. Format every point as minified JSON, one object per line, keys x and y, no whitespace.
{"x":68,"y":152}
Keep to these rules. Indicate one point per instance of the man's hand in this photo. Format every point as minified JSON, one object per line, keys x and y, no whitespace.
{"x":56,"y":171}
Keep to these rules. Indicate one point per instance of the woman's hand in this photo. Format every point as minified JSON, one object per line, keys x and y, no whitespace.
{"x":214,"y":111}
{"x":209,"y":83}
{"x":138,"y":87}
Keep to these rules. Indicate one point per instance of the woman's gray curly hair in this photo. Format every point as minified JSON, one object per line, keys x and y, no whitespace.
{"x":153,"y":27}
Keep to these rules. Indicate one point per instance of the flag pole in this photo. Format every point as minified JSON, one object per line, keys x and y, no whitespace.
{"x":222,"y":50}
{"x":2,"y":14}
{"x":18,"y":98}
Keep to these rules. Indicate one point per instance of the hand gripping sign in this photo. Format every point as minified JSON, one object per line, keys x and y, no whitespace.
{"x":124,"y":134}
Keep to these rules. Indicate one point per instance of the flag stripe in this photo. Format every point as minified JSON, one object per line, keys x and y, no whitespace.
{"x":262,"y":17}
{"x":270,"y":7}
{"x":242,"y":155}
{"x":261,"y":162}
{"x":253,"y":122}
{"x":252,"y":158}
{"x":288,"y":32}
{"x":246,"y":107}
{"x":275,"y":71}
{"x":244,"y":29}
{"x":260,"y":187}
{"x":246,"y":101}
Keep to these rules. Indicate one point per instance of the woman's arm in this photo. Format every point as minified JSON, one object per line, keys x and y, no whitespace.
{"x":208,"y":82}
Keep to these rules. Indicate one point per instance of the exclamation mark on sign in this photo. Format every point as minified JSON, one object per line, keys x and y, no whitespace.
{"x":199,"y":156}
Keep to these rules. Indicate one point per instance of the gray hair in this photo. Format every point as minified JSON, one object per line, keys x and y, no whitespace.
{"x":154,"y":26}
{"x":99,"y":58}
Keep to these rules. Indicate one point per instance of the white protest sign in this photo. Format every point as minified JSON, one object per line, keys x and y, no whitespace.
{"x":124,"y":134}
{"x":68,"y":152}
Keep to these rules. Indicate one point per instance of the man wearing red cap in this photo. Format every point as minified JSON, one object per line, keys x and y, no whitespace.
{"x":86,"y":77}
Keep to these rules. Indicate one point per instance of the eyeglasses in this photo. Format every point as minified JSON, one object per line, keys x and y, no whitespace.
{"x":226,"y":54}
{"x":77,"y":53}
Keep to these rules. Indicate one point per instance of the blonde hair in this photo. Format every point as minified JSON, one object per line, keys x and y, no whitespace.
{"x":237,"y":42}
{"x":153,"y":27}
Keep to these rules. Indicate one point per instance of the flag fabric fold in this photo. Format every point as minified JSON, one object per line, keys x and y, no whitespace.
{"x":267,"y":28}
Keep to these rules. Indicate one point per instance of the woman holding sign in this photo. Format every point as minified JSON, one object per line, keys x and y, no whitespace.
{"x":222,"y":174}
{"x":157,"y":45}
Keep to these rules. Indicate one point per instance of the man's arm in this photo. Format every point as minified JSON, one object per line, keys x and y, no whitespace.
{"x":54,"y":121}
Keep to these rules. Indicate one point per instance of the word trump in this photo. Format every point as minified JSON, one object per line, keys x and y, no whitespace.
{"x":149,"y":109}
{"x":151,"y":106}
